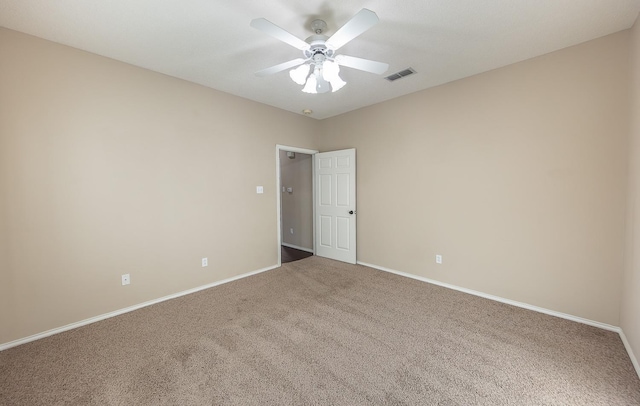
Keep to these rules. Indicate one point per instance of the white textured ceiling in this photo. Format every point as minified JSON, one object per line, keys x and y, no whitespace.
{"x":211,"y":43}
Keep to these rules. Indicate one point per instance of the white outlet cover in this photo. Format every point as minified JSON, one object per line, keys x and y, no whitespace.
{"x":259,"y":189}
{"x":438,"y":259}
{"x":205,"y":262}
{"x":126,"y":279}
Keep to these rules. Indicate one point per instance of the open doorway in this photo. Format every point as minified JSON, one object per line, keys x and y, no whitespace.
{"x":295,"y":203}
{"x":331,"y":189}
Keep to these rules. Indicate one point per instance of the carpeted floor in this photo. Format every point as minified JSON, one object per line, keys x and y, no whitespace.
{"x":317,"y":331}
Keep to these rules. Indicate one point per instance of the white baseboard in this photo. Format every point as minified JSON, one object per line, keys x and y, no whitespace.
{"x":593,"y":323}
{"x":90,"y":320}
{"x":634,"y":360}
{"x":285,"y":244}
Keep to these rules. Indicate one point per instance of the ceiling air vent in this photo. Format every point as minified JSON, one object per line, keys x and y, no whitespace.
{"x":400,"y":75}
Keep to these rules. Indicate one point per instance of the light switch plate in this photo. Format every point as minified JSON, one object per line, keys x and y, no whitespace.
{"x":259,"y":189}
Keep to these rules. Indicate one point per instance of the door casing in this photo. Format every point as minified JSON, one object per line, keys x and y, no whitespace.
{"x":278,"y":194}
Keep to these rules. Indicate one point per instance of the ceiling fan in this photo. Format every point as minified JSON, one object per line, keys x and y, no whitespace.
{"x":318,"y":70}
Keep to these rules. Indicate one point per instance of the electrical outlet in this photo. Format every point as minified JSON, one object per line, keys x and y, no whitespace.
{"x":259,"y":190}
{"x":291,"y":230}
{"x":126,"y":279}
{"x":205,"y":262}
{"x":438,"y":259}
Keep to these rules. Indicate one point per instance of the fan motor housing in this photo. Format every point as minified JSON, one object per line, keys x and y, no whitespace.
{"x":317,"y":45}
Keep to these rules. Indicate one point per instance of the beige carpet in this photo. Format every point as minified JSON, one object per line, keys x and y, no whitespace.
{"x":317,"y":331}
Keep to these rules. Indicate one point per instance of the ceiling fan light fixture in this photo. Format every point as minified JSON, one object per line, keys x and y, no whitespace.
{"x":310,"y":87}
{"x":337,"y":84}
{"x":331,"y":73}
{"x":322,"y":86}
{"x":299,"y":74}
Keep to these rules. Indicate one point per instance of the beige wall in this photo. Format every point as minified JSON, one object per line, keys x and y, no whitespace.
{"x":110,"y":169}
{"x":297,"y":207}
{"x":630,"y":314}
{"x":516,"y":176}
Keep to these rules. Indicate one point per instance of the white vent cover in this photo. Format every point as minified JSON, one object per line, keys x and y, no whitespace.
{"x":400,"y":75}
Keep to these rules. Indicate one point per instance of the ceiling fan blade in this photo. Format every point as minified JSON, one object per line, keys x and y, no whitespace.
{"x":358,"y":24}
{"x":280,"y":67}
{"x":276,"y":32}
{"x":362,"y":64}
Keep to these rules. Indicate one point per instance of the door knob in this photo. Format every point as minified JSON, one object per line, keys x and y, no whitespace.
{"x":351,"y":211}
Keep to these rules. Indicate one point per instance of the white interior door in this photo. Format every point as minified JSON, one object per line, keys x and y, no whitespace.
{"x":335,"y":205}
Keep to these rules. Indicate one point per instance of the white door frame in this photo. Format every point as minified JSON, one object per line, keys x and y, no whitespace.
{"x":279,"y":189}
